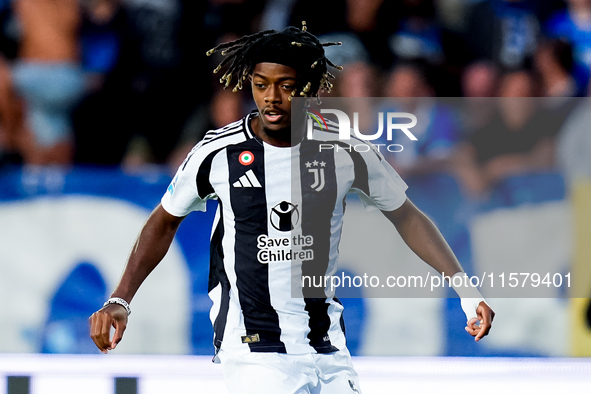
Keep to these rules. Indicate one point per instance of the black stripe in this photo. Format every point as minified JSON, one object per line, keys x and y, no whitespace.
{"x":245,"y":127}
{"x":361,"y":181}
{"x":220,"y":133}
{"x":218,"y":276}
{"x":249,"y":205}
{"x":222,"y":136}
{"x":216,"y":132}
{"x":342,"y":319}
{"x":204,"y":187}
{"x":232,"y":125}
{"x":206,"y":141}
{"x":317,"y":212}
{"x":187,"y":159}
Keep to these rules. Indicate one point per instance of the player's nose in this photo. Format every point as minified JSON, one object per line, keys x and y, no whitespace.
{"x":273,"y":95}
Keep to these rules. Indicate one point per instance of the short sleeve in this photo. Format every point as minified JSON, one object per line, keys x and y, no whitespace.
{"x":384,"y":190}
{"x":183,"y":195}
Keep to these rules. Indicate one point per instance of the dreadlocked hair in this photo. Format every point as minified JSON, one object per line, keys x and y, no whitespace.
{"x":292,"y":47}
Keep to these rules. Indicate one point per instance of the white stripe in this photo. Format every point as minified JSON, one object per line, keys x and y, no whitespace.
{"x":215,"y":144}
{"x":346,"y":172}
{"x":247,"y":124}
{"x":335,"y":333}
{"x":219,"y":133}
{"x":278,"y":187}
{"x":216,"y":293}
{"x":244,"y":180}
{"x":230,"y":130}
{"x":216,"y":296}
{"x":235,"y":123}
{"x":232,"y":125}
{"x":253,"y":179}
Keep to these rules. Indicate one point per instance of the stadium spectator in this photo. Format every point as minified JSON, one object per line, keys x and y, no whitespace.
{"x":517,"y":140}
{"x":503,"y":31}
{"x":479,"y":79}
{"x":276,"y":14}
{"x":554,"y":65}
{"x":437,"y":136}
{"x":355,"y":26}
{"x":146,"y":99}
{"x":574,"y":144}
{"x":574,"y":25}
{"x":478,"y":82}
{"x":357,"y":74}
{"x":418,"y":35}
{"x":11,"y":124}
{"x":48,"y":76}
{"x":225,"y":21}
{"x":100,"y":36}
{"x":8,"y":30}
{"x":8,"y":113}
{"x":10,"y":109}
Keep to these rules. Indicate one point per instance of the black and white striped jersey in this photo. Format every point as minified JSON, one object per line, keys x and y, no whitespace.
{"x":279,"y":217}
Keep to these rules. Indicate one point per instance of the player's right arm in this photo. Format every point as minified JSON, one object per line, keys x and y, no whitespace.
{"x":149,"y":249}
{"x":189,"y":191}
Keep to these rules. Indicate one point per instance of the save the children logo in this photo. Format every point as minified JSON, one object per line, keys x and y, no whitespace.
{"x":285,"y":216}
{"x":294,"y":246}
{"x":394,"y":122}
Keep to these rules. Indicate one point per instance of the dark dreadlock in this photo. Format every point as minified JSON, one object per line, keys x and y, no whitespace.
{"x":292,"y":47}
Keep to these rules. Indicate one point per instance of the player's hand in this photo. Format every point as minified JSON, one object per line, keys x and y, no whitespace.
{"x":485,"y":316}
{"x":101,"y":321}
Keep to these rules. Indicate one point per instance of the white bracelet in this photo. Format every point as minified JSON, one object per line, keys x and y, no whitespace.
{"x":460,"y":282}
{"x":118,"y":301}
{"x":469,"y":295}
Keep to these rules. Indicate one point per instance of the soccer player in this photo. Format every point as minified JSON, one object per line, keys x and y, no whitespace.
{"x":272,"y":219}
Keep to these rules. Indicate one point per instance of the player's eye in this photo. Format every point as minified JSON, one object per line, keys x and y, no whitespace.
{"x":288,"y":87}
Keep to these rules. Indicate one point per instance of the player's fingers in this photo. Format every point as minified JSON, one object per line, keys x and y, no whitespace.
{"x":484,"y":329}
{"x":120,"y":327}
{"x":92,"y":324}
{"x":96,"y":331}
{"x":471,"y":327}
{"x":106,"y":323}
{"x":486,"y":315}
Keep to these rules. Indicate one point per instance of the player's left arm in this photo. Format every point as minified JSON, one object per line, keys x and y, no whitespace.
{"x":423,"y":238}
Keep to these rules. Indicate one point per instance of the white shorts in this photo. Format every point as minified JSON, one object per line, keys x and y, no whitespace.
{"x":273,"y":373}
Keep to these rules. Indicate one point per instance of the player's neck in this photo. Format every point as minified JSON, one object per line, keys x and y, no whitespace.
{"x":279,"y":138}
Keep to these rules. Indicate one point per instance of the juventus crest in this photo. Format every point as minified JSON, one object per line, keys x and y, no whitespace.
{"x":317,"y":168}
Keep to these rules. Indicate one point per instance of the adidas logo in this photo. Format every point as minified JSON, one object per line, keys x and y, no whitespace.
{"x":247,"y":180}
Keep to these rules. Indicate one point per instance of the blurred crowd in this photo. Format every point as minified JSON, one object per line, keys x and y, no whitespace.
{"x":127,"y":82}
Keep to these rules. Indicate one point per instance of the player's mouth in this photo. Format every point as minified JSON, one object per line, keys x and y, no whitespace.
{"x":273,"y":116}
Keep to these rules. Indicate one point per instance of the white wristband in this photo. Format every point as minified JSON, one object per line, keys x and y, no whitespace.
{"x":118,"y":301}
{"x":469,"y":295}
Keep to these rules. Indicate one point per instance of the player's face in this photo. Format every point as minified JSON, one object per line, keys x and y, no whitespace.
{"x":272,"y":85}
